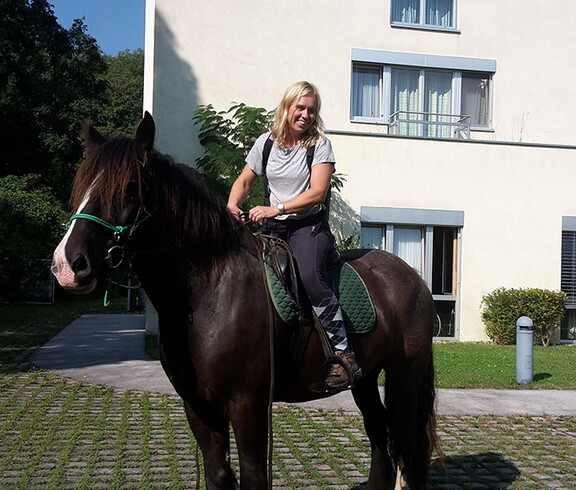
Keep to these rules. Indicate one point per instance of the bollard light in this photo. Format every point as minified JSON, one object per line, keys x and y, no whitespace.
{"x":524,"y":350}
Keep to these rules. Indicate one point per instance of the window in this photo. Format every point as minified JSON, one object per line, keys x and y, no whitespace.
{"x":421,"y":102}
{"x":408,"y":245}
{"x":568,"y":285}
{"x":474,"y":102}
{"x":425,"y":13}
{"x":366,"y":97}
{"x":421,"y":94}
{"x":431,"y":249}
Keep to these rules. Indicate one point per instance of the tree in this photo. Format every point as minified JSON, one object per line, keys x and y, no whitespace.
{"x":30,"y":228}
{"x":51,"y":79}
{"x":227,"y":137}
{"x":124,"y":93}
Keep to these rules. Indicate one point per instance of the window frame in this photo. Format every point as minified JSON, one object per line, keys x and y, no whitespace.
{"x":385,"y":93}
{"x":385,"y":60}
{"x":568,"y":276}
{"x":388,"y":219}
{"x":421,"y":24}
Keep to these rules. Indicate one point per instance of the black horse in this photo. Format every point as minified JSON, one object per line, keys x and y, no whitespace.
{"x":223,"y":347}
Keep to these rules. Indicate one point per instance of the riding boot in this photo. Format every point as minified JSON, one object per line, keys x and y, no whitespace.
{"x":344,"y":373}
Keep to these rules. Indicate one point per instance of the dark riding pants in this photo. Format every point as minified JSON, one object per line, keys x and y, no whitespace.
{"x":312,"y":243}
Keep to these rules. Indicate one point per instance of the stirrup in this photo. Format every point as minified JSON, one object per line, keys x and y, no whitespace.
{"x":352,"y":378}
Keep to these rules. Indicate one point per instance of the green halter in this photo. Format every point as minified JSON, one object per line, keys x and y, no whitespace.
{"x":119,"y":232}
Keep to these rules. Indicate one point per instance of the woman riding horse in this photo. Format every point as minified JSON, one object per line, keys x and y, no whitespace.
{"x":296,"y":213}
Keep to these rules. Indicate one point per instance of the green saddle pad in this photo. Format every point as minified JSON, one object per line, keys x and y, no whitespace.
{"x":357,"y":307}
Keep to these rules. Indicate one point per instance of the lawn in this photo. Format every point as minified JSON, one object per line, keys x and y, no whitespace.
{"x":477,"y":365}
{"x":24,"y":328}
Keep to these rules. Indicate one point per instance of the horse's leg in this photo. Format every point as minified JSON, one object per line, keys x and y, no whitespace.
{"x":367,"y":397}
{"x":250,"y":423}
{"x":213,"y":437}
{"x":410,"y":403}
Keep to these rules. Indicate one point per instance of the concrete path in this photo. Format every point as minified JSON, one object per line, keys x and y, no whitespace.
{"x":109,"y":350}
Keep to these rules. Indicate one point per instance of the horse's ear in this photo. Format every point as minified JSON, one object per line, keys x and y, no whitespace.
{"x":91,"y":136}
{"x":145,"y":132}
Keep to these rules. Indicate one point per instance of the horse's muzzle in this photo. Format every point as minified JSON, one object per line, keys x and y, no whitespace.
{"x":75,"y":278}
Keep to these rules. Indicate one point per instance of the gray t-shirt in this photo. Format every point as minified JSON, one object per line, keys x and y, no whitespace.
{"x":287,"y":170}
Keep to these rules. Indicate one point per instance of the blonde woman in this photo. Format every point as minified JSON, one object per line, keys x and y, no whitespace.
{"x":296,"y":160}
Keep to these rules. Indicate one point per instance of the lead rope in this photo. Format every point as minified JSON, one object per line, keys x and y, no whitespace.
{"x":271,"y":394}
{"x":197,"y":460}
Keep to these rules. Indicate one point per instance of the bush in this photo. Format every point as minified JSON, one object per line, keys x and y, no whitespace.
{"x":30,"y":227}
{"x":502,"y":307}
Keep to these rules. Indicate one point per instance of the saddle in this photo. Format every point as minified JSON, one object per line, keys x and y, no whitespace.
{"x":293,"y":306}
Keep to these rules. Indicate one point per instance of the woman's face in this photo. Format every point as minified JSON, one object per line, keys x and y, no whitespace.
{"x":302,"y":115}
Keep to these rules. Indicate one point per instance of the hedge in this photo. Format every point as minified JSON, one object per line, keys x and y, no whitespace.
{"x":502,"y":307}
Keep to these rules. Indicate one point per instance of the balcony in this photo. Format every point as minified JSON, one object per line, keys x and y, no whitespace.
{"x":430,"y":125}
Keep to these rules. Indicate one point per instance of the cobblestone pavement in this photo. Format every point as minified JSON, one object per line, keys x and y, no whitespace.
{"x":58,"y":433}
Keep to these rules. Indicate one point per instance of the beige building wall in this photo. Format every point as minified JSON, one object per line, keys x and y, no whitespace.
{"x":513,"y":195}
{"x":513,"y":198}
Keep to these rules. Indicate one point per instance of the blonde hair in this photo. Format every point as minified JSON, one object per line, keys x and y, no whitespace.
{"x":292,"y":95}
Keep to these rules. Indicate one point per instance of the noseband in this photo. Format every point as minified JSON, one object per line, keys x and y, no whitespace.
{"x":120,"y":235}
{"x":116,"y":255}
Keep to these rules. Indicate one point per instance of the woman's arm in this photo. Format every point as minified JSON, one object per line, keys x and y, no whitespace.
{"x":241,"y":189}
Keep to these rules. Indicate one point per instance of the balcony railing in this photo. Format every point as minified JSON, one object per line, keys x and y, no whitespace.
{"x":430,"y":125}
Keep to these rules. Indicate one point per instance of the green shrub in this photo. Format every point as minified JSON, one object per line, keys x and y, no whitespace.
{"x":502,"y":307}
{"x":30,"y":227}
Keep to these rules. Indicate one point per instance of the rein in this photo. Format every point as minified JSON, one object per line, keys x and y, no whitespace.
{"x":272,"y":370}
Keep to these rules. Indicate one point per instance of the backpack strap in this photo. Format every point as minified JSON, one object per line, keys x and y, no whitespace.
{"x":265,"y":156}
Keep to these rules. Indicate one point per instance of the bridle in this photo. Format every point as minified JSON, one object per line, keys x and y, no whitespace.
{"x":117,"y":259}
{"x":121,"y":235}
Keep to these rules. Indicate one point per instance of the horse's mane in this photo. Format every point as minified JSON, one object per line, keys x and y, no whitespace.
{"x":187,"y":210}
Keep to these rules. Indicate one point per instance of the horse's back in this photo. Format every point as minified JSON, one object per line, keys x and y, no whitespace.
{"x":402,"y":301}
{"x":383,"y":269}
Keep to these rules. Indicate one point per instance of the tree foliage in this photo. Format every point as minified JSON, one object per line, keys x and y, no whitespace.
{"x":227,"y":137}
{"x":123,"y":109}
{"x":30,"y":228}
{"x":51,"y":79}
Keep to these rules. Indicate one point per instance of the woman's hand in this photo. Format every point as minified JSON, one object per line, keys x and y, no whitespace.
{"x":240,"y":190}
{"x":235,"y":210}
{"x":263,"y":212}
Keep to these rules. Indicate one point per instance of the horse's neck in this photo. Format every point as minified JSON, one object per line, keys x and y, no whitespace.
{"x":196,"y":264}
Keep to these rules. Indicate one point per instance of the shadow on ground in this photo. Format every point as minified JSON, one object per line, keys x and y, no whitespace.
{"x":486,"y":470}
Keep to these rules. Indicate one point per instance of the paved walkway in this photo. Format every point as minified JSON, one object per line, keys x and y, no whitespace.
{"x":109,"y":350}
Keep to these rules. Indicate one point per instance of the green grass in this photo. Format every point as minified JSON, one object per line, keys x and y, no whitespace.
{"x":475,"y":365}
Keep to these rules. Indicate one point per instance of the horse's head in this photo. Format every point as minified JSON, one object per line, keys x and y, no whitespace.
{"x":109,"y":198}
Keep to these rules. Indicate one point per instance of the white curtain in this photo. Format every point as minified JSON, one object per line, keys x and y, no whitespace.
{"x":406,"y":11}
{"x":408,"y":246}
{"x":437,"y":100}
{"x":474,"y":99}
{"x":439,"y":13}
{"x":404,"y":97}
{"x":366,"y":92}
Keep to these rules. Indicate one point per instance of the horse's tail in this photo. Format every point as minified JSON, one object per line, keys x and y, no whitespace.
{"x":427,"y":413}
{"x":413,"y":449}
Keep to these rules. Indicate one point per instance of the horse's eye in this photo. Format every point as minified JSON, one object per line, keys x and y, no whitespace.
{"x":132,"y":191}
